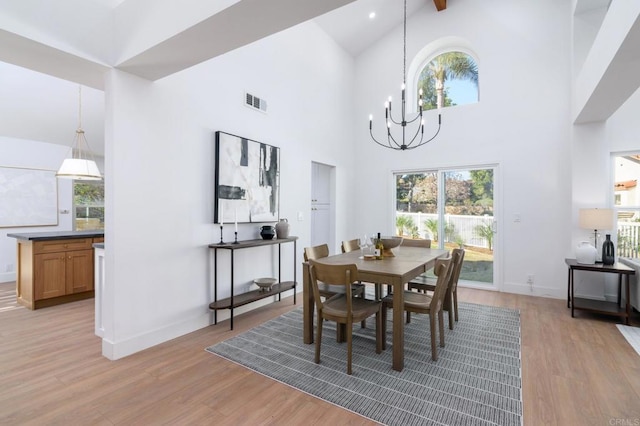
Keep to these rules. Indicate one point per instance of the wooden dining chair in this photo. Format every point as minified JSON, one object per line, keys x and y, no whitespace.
{"x":451,"y":296}
{"x":342,"y":308}
{"x":416,"y":243}
{"x":328,"y":290}
{"x":350,"y":245}
{"x":422,"y":303}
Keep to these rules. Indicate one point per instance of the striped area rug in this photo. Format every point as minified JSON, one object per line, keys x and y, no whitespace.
{"x":632,"y":334}
{"x":476,"y":381}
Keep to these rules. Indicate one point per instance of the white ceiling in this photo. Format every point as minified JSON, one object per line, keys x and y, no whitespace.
{"x":352,"y":28}
{"x":37,"y":98}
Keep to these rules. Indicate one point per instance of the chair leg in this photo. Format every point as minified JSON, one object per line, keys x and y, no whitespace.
{"x":455,"y":303}
{"x":349,"y":346}
{"x":450,"y":312}
{"x":318,"y":338}
{"x":434,"y":330}
{"x":408,"y":317}
{"x":379,"y":331}
{"x":441,"y":327}
{"x":363,"y":324}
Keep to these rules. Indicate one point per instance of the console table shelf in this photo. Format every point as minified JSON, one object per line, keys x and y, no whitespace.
{"x":600,"y":306}
{"x":252,"y":296}
{"x":237,"y":300}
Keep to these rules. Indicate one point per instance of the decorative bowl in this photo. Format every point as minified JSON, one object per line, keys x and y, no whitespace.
{"x":265,"y":283}
{"x":388,"y":243}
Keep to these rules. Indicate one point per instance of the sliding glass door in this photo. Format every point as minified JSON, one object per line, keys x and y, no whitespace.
{"x":453,"y":208}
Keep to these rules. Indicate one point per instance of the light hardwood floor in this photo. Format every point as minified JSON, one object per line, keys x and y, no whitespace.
{"x":575,"y":371}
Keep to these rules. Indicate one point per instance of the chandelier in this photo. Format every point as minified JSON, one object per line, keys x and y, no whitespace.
{"x":410,"y":139}
{"x":81,"y":165}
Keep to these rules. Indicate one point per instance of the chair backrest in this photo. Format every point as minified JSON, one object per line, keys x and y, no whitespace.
{"x":338,"y":275}
{"x":444,"y":270}
{"x":416,"y":243}
{"x":316,"y":252}
{"x":457,"y":267}
{"x":350,"y":245}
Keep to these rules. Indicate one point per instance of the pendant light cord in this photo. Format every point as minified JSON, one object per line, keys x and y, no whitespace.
{"x":79,"y":107}
{"x":404,"y":57}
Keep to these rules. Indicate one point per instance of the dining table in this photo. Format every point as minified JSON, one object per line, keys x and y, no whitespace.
{"x":394,"y":271}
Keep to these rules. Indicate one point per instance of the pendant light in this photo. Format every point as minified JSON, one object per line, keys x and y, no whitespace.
{"x":410,"y":139}
{"x":81,"y":165}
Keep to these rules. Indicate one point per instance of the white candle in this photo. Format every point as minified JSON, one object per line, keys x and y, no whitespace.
{"x":221,"y":215}
{"x":236,"y":220}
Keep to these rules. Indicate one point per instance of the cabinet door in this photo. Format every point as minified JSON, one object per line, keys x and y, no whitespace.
{"x":49,"y":275}
{"x":79,"y":271}
{"x":320,"y":225}
{"x":320,"y":183}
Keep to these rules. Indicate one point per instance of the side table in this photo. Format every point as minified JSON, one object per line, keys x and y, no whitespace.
{"x":599,"y":306}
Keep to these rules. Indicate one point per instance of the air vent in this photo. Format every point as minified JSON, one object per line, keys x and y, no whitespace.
{"x":255,"y":102}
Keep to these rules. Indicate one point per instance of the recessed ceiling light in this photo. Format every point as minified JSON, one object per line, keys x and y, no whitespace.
{"x":372,"y":15}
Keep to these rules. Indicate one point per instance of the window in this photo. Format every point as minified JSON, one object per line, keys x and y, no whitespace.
{"x":449,"y":79}
{"x":88,"y":205}
{"x":627,"y":203}
{"x":453,"y":208}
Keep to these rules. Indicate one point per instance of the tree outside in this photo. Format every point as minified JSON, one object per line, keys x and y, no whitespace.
{"x":446,"y":67}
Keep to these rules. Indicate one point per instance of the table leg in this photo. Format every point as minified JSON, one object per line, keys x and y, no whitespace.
{"x":569,"y":289}
{"x":628,"y":305}
{"x":571,"y":286}
{"x":307,"y":305}
{"x":398,"y":326}
{"x":619,"y":289}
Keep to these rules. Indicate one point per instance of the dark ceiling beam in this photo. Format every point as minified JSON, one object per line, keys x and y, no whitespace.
{"x":440,"y":4}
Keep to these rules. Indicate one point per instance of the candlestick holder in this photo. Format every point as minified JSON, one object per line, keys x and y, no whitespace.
{"x":236,"y":240}
{"x":221,"y":241}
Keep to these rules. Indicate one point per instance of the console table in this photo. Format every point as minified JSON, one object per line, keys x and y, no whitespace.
{"x":241,"y":299}
{"x":599,"y":306}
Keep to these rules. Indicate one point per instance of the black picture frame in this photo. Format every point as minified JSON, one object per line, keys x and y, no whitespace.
{"x":247,"y":180}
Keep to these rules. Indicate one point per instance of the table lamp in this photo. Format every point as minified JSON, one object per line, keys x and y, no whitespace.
{"x":596,"y":219}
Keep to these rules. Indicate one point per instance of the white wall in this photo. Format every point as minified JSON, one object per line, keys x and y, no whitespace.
{"x":160,"y":175}
{"x":33,"y":155}
{"x":521,"y":124}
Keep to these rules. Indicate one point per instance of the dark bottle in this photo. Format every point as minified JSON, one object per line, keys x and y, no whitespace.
{"x":608,"y":251}
{"x":379,"y":247}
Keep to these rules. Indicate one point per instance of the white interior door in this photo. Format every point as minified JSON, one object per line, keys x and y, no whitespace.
{"x":322,"y":216}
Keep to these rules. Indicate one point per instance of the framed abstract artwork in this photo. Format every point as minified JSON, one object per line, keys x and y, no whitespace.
{"x":28,"y":197}
{"x":247,"y":186}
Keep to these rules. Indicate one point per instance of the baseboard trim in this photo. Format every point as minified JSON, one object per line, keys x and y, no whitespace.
{"x":6,"y":277}
{"x":120,"y":349}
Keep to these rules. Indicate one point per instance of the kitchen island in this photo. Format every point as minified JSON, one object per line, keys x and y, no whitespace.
{"x":55,"y":267}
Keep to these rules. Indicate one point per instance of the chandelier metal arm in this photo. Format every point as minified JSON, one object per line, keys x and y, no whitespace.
{"x":379,"y":143}
{"x":428,"y":140}
{"x":403,"y":122}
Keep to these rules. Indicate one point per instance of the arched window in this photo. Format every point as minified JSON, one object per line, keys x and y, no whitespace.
{"x":447,"y":72}
{"x":449,"y":79}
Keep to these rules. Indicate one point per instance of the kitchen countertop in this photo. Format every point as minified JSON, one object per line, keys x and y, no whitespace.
{"x":59,"y":235}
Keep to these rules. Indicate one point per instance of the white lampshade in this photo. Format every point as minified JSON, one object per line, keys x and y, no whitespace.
{"x":79,"y":169}
{"x":596,"y":218}
{"x":81,"y":165}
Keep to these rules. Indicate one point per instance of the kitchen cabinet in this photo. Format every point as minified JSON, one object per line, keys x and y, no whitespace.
{"x":54,"y":269}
